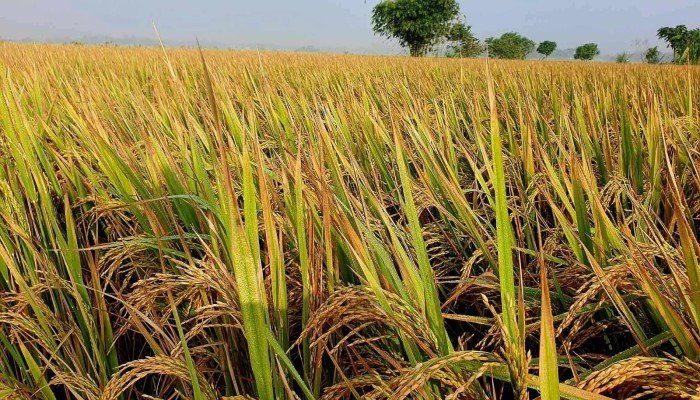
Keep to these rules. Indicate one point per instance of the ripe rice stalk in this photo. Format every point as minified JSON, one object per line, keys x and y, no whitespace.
{"x":513,"y":321}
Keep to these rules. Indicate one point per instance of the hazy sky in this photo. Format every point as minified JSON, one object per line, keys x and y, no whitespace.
{"x":615,"y":24}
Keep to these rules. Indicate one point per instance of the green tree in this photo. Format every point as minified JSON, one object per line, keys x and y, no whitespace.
{"x":417,"y":24}
{"x":684,"y":42}
{"x":587,"y":52}
{"x":510,"y":45}
{"x":461,"y":41}
{"x":622,"y":58}
{"x":652,"y":55}
{"x":693,"y":51}
{"x":546,"y":48}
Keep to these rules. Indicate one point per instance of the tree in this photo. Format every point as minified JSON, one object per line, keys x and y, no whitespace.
{"x":587,"y":52}
{"x":652,"y":55}
{"x":462,"y":43}
{"x":510,"y":45}
{"x":546,"y":48}
{"x":622,"y":58}
{"x":693,"y":52}
{"x":684,"y":42}
{"x":677,"y":38}
{"x":417,"y":24}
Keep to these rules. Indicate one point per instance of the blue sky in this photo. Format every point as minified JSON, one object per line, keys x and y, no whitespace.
{"x":616,"y":25}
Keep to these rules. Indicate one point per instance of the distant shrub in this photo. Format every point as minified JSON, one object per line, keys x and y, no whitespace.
{"x":622,"y":58}
{"x":652,"y":55}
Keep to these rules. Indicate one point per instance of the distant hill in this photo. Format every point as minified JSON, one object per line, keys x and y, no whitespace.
{"x":385,"y":49}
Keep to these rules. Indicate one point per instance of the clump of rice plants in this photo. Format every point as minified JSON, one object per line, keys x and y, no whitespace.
{"x":219,"y":224}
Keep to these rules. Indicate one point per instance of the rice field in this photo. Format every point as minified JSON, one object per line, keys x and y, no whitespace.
{"x":184,"y":224}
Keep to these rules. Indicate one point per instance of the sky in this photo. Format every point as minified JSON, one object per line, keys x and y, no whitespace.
{"x":335,"y":25}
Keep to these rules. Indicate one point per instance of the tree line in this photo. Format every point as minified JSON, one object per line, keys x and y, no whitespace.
{"x":421,"y":25}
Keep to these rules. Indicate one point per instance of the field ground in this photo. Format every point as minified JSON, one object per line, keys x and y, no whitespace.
{"x":199,"y":226}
